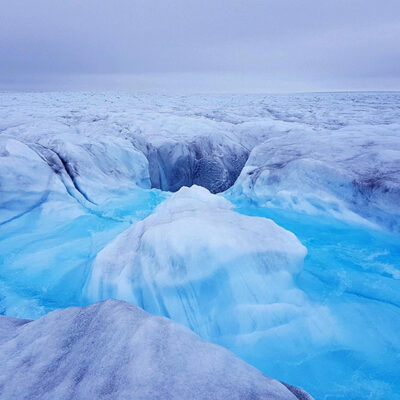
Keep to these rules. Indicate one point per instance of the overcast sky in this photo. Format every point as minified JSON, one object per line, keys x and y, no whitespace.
{"x":200,"y":45}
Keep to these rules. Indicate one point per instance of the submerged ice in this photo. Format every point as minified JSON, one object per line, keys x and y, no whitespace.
{"x":82,"y":218}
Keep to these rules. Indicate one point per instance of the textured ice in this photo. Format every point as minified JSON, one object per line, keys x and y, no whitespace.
{"x":26,"y":181}
{"x":115,"y":350}
{"x":344,"y":146}
{"x":91,"y":170}
{"x":223,"y":274}
{"x":350,"y":173}
{"x":57,"y":213}
{"x":76,"y":171}
{"x":191,"y":152}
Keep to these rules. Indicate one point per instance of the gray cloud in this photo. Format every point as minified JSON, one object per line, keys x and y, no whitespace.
{"x":280,"y":44}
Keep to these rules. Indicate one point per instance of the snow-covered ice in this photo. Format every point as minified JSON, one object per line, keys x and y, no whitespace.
{"x":82,"y":217}
{"x":115,"y":350}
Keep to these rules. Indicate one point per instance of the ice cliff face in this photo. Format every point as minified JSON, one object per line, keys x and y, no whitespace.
{"x":210,"y":160}
{"x":115,"y":350}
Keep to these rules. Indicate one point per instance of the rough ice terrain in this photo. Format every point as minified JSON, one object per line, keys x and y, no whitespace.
{"x":86,"y":212}
{"x":352,"y":173}
{"x":140,"y":357}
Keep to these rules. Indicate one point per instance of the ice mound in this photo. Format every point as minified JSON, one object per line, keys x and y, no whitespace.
{"x":115,"y":350}
{"x":349,"y":173}
{"x":227,"y":276}
{"x":91,"y":169}
{"x":97,"y":167}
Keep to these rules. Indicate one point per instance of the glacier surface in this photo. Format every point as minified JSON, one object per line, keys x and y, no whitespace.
{"x":86,"y":213}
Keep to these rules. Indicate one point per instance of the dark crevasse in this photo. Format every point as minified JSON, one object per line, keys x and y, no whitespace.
{"x":173,"y":164}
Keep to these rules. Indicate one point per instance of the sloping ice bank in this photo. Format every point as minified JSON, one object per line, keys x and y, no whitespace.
{"x":114,"y":350}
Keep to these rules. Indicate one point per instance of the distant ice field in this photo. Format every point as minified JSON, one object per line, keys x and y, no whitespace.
{"x":285,"y":249}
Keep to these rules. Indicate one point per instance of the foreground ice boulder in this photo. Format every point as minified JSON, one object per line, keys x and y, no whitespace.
{"x":227,"y":276}
{"x":349,"y":173}
{"x":115,"y":350}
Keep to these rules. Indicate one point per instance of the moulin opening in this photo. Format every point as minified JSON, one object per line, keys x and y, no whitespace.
{"x":213,"y":166}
